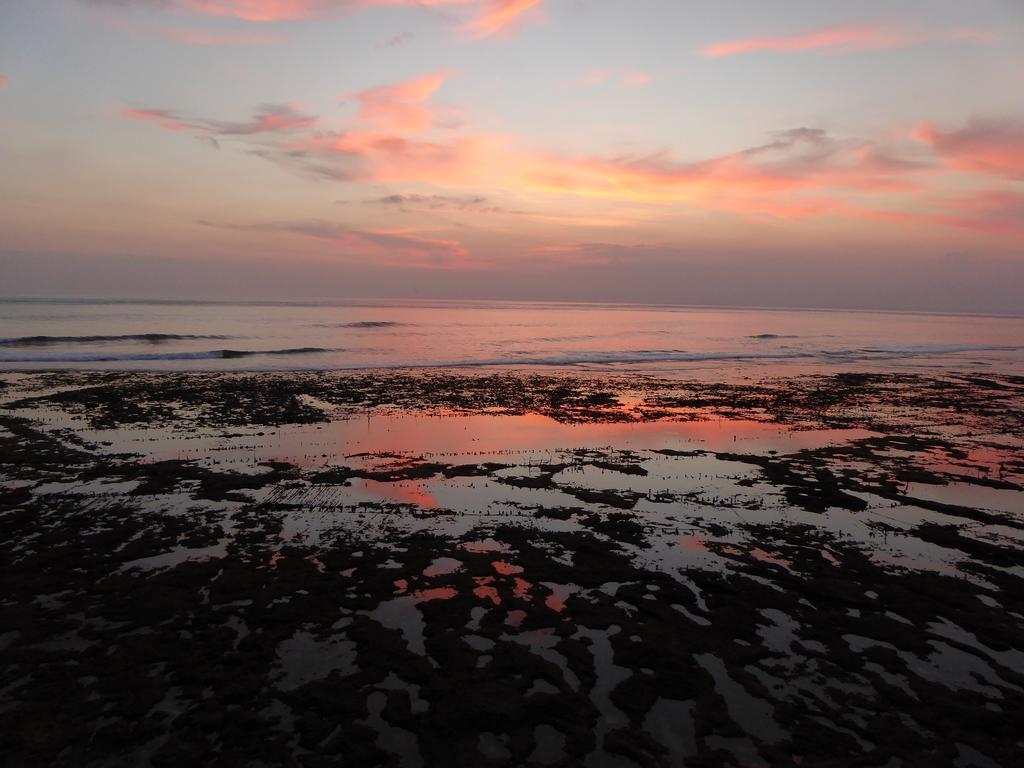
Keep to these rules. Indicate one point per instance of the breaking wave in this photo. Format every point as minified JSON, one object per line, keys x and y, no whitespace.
{"x":210,"y":354}
{"x":152,"y":338}
{"x":365,"y":324}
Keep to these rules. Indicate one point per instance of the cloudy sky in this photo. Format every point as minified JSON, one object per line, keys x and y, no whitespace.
{"x":803,"y":153}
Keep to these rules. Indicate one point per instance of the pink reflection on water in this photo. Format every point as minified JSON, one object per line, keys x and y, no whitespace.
{"x":505,"y":568}
{"x":399,"y":492}
{"x":485,"y":591}
{"x":732,"y":550}
{"x":770,"y":557}
{"x":459,"y":438}
{"x":435,"y":593}
{"x":522,"y":588}
{"x":275,"y":560}
{"x":559,"y":594}
{"x":490,"y":435}
{"x":692,"y":542}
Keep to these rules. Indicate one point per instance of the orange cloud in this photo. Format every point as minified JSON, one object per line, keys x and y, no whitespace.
{"x":984,"y":145}
{"x":500,"y":16}
{"x":400,"y":107}
{"x":798,"y":160}
{"x":799,"y":173}
{"x":844,"y":39}
{"x":814,"y":170}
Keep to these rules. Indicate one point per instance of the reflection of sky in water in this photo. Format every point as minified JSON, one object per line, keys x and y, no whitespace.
{"x":684,"y":502}
{"x":693,"y":514}
{"x":526,"y":439}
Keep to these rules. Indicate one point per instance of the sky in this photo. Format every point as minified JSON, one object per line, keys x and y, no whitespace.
{"x":808,"y":153}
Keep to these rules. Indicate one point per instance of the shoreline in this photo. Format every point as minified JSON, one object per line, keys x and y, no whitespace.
{"x":430,"y":567}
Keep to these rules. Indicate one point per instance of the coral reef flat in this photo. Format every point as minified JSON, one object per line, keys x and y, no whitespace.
{"x":434,"y":568}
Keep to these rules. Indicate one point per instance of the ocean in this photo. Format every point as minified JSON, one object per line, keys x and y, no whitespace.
{"x":350,"y":335}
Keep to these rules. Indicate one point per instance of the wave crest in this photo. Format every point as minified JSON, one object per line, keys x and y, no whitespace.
{"x":151,"y":338}
{"x":210,"y":354}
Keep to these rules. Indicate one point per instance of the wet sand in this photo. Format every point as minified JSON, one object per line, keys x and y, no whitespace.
{"x":435,"y":569}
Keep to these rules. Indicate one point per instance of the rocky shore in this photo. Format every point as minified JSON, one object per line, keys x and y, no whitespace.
{"x":435,"y":569}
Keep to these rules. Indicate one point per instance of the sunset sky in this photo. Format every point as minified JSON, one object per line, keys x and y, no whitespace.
{"x":813,"y":153}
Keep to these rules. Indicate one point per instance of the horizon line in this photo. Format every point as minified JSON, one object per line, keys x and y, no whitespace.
{"x":621,"y":304}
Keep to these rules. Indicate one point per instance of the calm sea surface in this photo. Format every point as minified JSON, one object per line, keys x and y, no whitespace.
{"x":395,"y":334}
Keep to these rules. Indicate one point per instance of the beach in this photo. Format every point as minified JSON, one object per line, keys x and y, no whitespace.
{"x":421,"y":567}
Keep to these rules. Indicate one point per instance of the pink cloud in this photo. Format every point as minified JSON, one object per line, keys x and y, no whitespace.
{"x":799,"y":173}
{"x":486,"y":18}
{"x":290,"y":10}
{"x":4,"y":81}
{"x":501,"y":16}
{"x":747,"y":181}
{"x":800,"y":159}
{"x":984,"y":145}
{"x":399,"y":107}
{"x":844,"y":39}
{"x":384,"y":157}
{"x":389,"y":149}
{"x":260,"y":10}
{"x":491,"y":16}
